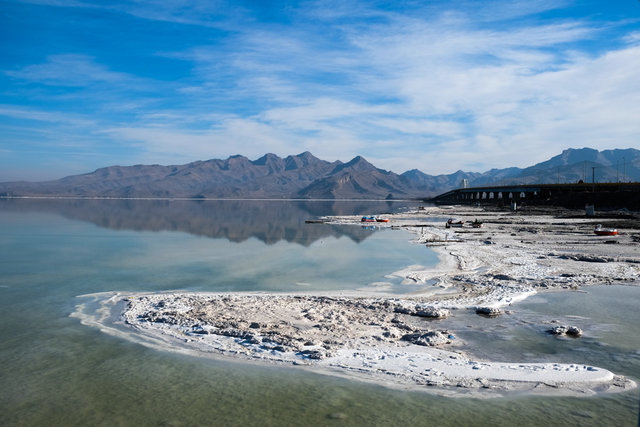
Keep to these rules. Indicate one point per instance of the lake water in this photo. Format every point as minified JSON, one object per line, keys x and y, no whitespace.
{"x":56,"y":371}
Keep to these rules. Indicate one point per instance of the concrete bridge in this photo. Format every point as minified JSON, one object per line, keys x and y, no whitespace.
{"x":614,"y":195}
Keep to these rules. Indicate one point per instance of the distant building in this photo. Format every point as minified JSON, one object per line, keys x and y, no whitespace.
{"x":465,"y":183}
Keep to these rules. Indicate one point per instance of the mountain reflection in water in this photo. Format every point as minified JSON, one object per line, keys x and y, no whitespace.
{"x":235,"y":220}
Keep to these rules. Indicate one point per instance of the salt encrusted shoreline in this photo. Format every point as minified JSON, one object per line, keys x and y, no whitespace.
{"x":384,"y":338}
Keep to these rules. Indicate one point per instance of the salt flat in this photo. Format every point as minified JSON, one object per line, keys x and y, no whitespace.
{"x":373,"y":335}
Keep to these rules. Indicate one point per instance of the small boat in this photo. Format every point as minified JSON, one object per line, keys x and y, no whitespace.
{"x":382,"y":220}
{"x":452,"y":223}
{"x":601,"y":231}
{"x":368,"y":219}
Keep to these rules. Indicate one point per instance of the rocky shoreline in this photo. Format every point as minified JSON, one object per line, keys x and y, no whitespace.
{"x":389,"y":339}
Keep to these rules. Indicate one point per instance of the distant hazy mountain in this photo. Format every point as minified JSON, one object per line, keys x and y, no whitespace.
{"x":433,"y":185}
{"x":578,"y":164}
{"x":305,"y":176}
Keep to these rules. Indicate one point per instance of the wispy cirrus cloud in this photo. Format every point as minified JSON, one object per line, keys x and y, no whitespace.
{"x":32,"y":114}
{"x":207,"y":13}
{"x":69,"y":70}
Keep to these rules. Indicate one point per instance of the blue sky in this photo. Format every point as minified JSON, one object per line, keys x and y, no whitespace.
{"x":433,"y":85}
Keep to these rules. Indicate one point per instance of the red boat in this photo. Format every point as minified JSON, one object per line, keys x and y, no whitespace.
{"x":600,"y":231}
{"x":452,"y":223}
{"x":382,"y":220}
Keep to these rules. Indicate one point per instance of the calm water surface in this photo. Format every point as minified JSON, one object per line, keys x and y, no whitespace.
{"x":55,"y":371}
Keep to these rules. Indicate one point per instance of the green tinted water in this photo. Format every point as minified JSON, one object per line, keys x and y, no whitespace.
{"x":55,"y":371}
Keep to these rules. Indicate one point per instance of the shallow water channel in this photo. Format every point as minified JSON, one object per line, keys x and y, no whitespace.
{"x":56,"y":371}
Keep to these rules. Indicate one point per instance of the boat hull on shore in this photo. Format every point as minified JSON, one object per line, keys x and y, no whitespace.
{"x":601,"y":231}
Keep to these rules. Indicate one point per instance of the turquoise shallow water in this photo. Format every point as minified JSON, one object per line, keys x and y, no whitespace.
{"x":55,"y":371}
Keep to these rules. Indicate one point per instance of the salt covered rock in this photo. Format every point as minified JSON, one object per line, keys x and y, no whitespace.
{"x":199,"y":329}
{"x":404,"y":310}
{"x":422,"y":311}
{"x":429,"y":339}
{"x":572,"y":331}
{"x":436,"y":313}
{"x":489,"y":311}
{"x":315,"y":354}
{"x":392,"y":334}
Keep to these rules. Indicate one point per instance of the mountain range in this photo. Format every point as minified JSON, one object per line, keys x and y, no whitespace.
{"x":307,"y":177}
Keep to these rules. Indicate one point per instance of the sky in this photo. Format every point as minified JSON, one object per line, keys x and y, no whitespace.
{"x":437,"y":86}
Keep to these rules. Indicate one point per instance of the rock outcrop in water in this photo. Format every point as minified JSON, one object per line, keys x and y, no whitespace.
{"x":572,"y":331}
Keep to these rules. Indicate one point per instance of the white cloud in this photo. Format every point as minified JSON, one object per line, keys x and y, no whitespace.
{"x":233,"y":136}
{"x":633,"y":37}
{"x":493,"y":116}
